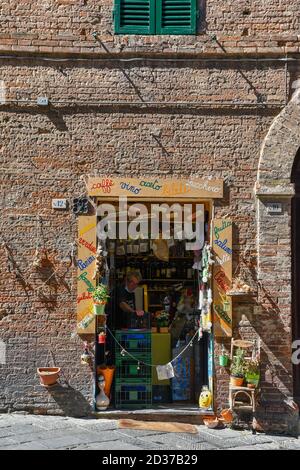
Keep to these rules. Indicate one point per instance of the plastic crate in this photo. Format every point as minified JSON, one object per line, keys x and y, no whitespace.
{"x":133,"y":395}
{"x":134,"y":342}
{"x":127,"y":368}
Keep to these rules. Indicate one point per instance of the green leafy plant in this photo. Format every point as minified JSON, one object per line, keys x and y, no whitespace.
{"x":100,"y":294}
{"x":237,"y":368}
{"x":252,"y":372}
{"x":252,"y":368}
{"x":163,"y":318}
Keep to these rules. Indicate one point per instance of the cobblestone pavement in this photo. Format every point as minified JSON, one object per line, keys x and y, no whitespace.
{"x":19,"y":431}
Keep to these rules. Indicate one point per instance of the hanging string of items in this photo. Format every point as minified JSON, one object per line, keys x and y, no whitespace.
{"x":164,"y":371}
{"x":204,"y":266}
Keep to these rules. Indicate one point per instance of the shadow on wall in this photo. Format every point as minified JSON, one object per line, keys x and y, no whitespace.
{"x":70,"y":401}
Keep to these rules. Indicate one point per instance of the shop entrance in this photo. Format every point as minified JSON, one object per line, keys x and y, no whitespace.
{"x":167,"y":296}
{"x":153,"y":315}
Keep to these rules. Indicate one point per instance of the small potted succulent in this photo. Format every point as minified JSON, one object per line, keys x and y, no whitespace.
{"x":237,"y":368}
{"x":223,"y":358}
{"x":252,"y":373}
{"x":100,"y":297}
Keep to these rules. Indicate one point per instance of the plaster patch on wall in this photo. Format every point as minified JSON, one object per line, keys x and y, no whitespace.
{"x":2,"y":92}
{"x":2,"y":352}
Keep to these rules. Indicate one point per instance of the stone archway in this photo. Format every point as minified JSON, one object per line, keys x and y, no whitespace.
{"x":278,"y":152}
{"x":274,"y":185}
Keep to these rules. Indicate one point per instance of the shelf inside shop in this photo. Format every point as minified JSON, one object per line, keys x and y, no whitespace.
{"x":188,"y":258}
{"x":169,"y":280}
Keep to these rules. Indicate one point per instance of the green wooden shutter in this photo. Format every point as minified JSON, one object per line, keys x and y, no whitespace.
{"x":176,"y":16}
{"x":134,"y":16}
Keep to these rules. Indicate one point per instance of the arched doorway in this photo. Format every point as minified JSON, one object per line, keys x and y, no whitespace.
{"x":278,"y":244}
{"x":296,"y":268}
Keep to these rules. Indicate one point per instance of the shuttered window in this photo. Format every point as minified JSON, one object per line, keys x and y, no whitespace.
{"x":176,"y":17}
{"x":155,"y":16}
{"x":135,"y":16}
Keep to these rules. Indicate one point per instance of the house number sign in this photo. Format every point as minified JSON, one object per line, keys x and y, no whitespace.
{"x":274,"y":208}
{"x":59,"y":203}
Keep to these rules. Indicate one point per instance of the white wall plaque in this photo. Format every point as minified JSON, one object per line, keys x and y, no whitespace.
{"x":59,"y":204}
{"x":274,"y":208}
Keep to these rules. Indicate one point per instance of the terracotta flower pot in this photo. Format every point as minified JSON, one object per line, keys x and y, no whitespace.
{"x":108,"y":374}
{"x":236,"y":381}
{"x":48,"y":375}
{"x":226,"y":416}
{"x":252,"y":379}
{"x":211,"y":422}
{"x":163,"y":329}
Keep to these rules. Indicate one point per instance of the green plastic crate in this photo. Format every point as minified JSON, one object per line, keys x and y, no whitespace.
{"x":133,"y":395}
{"x":129,"y":370}
{"x":134,"y":341}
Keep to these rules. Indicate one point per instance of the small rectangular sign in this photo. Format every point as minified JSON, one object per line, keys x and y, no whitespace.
{"x":59,"y":203}
{"x":274,"y":208}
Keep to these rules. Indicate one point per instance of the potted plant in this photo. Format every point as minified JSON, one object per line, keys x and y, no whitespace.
{"x":163,"y":321}
{"x":252,"y":373}
{"x":223,"y":358}
{"x":100,"y":297}
{"x":48,"y":375}
{"x":237,"y":373}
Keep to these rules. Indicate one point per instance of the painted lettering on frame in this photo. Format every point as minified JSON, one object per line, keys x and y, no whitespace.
{"x":84,"y":296}
{"x":88,"y":245}
{"x":83,"y":277}
{"x":222,"y":314}
{"x":223,"y":245}
{"x":175,"y":189}
{"x":130,"y":188}
{"x":84,"y":264}
{"x":224,"y":226}
{"x":153,"y":185}
{"x":105,"y":185}
{"x":220,"y":278}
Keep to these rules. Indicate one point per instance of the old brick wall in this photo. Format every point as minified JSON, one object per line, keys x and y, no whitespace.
{"x":119,"y":116}
{"x":45,"y":152}
{"x":66,"y":26}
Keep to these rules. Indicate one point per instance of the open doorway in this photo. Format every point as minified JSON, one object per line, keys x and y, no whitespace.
{"x":168,"y":279}
{"x":296,"y":268}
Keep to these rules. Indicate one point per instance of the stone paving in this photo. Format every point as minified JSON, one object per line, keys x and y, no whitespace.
{"x":30,"y":432}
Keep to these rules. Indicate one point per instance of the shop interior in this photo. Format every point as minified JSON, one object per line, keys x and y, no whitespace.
{"x":172,"y":294}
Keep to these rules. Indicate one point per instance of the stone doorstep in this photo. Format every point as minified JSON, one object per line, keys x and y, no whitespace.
{"x":190,"y":416}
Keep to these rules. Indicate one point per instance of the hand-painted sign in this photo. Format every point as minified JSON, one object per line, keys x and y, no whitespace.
{"x":158,"y":188}
{"x":222,"y":277}
{"x":86,"y":267}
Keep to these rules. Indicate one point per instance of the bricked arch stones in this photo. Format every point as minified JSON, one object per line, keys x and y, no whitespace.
{"x":278,"y":152}
{"x":273,"y":184}
{"x":274,"y":262}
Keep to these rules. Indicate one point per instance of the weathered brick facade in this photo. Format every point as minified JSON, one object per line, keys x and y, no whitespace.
{"x":182,"y":105}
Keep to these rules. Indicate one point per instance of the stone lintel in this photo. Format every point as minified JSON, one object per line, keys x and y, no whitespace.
{"x":281,"y":191}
